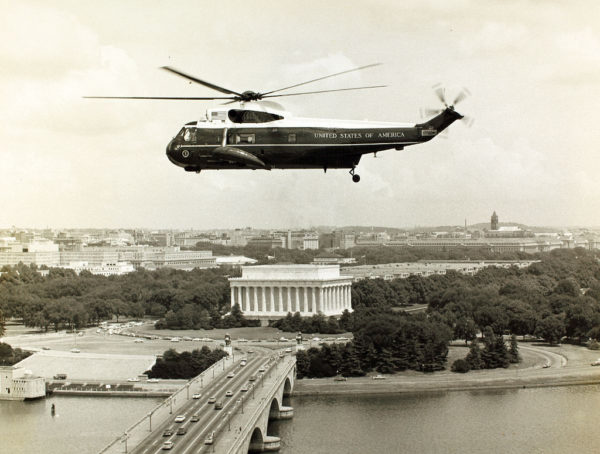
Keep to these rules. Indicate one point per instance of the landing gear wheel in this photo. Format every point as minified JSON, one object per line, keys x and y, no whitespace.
{"x":356,"y":178}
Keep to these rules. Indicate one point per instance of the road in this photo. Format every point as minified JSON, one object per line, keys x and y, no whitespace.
{"x":209,"y":417}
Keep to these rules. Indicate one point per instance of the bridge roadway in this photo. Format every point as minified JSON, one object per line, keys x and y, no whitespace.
{"x":211,"y":419}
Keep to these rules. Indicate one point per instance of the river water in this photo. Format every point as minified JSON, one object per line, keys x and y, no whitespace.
{"x":80,"y":424}
{"x":523,"y":421}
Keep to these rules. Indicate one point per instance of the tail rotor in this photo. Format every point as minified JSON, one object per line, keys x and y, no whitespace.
{"x":440,"y":93}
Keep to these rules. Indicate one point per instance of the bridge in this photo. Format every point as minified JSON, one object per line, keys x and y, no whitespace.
{"x":226,"y":409}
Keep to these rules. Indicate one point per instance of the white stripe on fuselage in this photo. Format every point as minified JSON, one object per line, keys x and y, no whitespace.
{"x":299,"y":122}
{"x":277,"y":145}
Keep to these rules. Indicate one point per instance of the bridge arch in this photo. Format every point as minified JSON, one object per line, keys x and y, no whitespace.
{"x":287,"y":387}
{"x":256,"y":441}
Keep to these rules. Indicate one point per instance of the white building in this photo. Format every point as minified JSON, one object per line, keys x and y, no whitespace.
{"x":269,"y":292}
{"x":17,"y":383}
{"x":104,"y":269}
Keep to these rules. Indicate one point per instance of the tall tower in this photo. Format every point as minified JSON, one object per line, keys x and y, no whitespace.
{"x":494,"y":225}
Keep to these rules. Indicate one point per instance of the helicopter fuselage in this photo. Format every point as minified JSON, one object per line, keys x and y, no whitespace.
{"x":246,"y":139}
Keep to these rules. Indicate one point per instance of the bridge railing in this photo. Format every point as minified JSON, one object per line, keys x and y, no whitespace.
{"x":137,"y":432}
{"x":254,"y":416}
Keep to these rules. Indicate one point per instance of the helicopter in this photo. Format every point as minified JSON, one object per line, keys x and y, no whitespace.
{"x":260,"y":134}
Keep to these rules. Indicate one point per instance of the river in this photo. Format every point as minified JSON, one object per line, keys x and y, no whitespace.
{"x":522,"y":421}
{"x":80,"y":424}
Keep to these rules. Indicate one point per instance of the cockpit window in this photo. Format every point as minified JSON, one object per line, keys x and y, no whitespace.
{"x":189,"y":134}
{"x":252,"y":116}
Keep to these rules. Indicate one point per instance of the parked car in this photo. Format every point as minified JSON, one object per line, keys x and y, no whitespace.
{"x":340,"y":378}
{"x":596,"y":363}
{"x":378,"y":377}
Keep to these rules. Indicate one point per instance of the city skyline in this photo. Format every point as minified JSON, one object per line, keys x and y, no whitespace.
{"x":532,"y":71}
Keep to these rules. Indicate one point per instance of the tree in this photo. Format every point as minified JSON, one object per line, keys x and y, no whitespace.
{"x":465,"y":328}
{"x":513,"y":352}
{"x":474,"y":356}
{"x":551,"y":329}
{"x":2,"y":329}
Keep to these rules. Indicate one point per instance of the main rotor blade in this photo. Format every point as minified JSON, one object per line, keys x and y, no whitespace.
{"x":323,"y":91}
{"x":324,"y":77}
{"x":175,"y":98}
{"x":201,"y":82}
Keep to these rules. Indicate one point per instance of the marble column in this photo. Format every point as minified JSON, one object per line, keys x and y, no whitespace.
{"x":263,"y":299}
{"x":248,"y":306}
{"x":320,"y":306}
{"x":271,"y":301}
{"x":304,"y":291}
{"x":232,"y":296}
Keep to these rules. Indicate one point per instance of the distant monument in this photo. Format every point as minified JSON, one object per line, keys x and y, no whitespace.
{"x":228,"y":349}
{"x":299,"y":345}
{"x":494,"y":223}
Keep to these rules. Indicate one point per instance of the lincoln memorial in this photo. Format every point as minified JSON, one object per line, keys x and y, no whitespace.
{"x":269,"y":292}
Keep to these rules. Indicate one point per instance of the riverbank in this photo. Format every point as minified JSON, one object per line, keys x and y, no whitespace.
{"x":542,"y":366}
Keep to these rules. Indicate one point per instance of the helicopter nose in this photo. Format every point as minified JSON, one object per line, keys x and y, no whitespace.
{"x":171,"y":152}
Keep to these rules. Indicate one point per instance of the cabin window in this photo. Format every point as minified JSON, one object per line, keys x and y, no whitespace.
{"x":252,"y":116}
{"x":189,"y":135}
{"x":245,"y":138}
{"x":292,"y":138}
{"x":218,"y":116}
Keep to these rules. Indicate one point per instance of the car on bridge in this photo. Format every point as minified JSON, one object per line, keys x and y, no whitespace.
{"x":230,"y":375}
{"x":195,"y":418}
{"x":197,"y":396}
{"x":168,"y":432}
{"x":210,"y":438}
{"x":167,"y":445}
{"x":253,"y":377}
{"x":212,"y":400}
{"x":218,"y":405}
{"x":180,"y":418}
{"x":182,"y":430}
{"x":244,"y":388}
{"x":229,"y":394}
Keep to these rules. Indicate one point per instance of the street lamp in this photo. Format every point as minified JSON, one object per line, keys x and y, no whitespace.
{"x":150,"y":419}
{"x":229,"y":421}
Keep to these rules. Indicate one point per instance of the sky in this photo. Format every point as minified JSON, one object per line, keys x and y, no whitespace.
{"x":532,"y":67}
